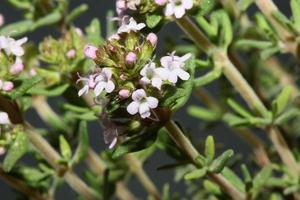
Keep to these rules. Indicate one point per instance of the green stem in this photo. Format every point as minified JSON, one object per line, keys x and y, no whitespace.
{"x":184,"y":144}
{"x":242,"y":86}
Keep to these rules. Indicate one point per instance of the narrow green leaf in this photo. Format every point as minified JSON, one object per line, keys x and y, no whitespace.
{"x":65,"y":148}
{"x":210,"y":29}
{"x":282,"y":100}
{"x":17,"y":28}
{"x":25,"y":86}
{"x":282,"y":19}
{"x":200,"y":160}
{"x":209,"y":149}
{"x":238,"y":109}
{"x":17,"y":149}
{"x":220,"y":162}
{"x":196,"y":174}
{"x":242,"y":43}
{"x":246,"y":173}
{"x":203,"y":113}
{"x":209,"y":77}
{"x":56,"y":90}
{"x":244,"y":4}
{"x":83,"y":146}
{"x":206,"y":6}
{"x":260,"y":180}
{"x":234,"y":179}
{"x":295,"y":7}
{"x":77,"y":12}
{"x":211,"y":187}
{"x":94,"y":32}
{"x":49,"y":19}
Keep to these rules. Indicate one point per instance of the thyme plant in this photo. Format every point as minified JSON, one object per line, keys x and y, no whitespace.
{"x":120,"y":81}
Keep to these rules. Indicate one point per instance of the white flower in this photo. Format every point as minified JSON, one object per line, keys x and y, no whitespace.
{"x":132,"y":25}
{"x":173,"y":67}
{"x":103,"y":81}
{"x":142,"y":104}
{"x":88,"y":83}
{"x":4,"y":119}
{"x":151,"y":75}
{"x":12,"y":46}
{"x":178,"y":7}
{"x":133,"y":4}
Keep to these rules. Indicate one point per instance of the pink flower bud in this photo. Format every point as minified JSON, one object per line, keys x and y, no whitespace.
{"x":160,"y":2}
{"x":1,"y":20}
{"x":2,"y":151}
{"x":120,"y":6}
{"x":16,"y":68}
{"x":152,"y":38}
{"x":90,"y":52}
{"x":8,"y":86}
{"x":79,"y":31}
{"x":32,"y":72}
{"x":124,"y":94}
{"x":71,"y":54}
{"x":130,"y":58}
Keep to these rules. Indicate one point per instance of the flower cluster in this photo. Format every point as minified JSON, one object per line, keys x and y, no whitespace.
{"x":125,"y":67}
{"x":11,"y":52}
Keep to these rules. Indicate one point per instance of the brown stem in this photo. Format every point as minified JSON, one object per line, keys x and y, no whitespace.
{"x":184,"y":143}
{"x":241,"y":85}
{"x":52,"y":157}
{"x":21,"y":186}
{"x":98,"y":167}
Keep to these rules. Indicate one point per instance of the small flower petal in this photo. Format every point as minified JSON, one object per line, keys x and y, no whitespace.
{"x":133,"y":108}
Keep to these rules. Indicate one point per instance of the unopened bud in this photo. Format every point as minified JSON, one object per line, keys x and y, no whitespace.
{"x":16,"y":68}
{"x":130,"y":58}
{"x":8,"y":86}
{"x":152,"y":38}
{"x":124,"y":94}
{"x":90,"y":52}
{"x":71,"y":53}
{"x":1,"y":20}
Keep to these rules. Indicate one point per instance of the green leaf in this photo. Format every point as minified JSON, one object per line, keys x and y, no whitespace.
{"x":209,"y":77}
{"x":244,"y":4}
{"x":200,"y":160}
{"x":17,"y":149}
{"x":206,"y":6}
{"x":264,"y":54}
{"x":94,"y":32}
{"x":17,"y":28}
{"x":203,"y":113}
{"x":176,"y":97}
{"x":220,"y":162}
{"x":77,"y":12}
{"x":196,"y":174}
{"x":49,"y":19}
{"x":247,"y":43}
{"x":166,"y":192}
{"x":239,"y":109}
{"x":295,"y":7}
{"x":75,"y":108}
{"x":25,"y":86}
{"x":226,"y":32}
{"x":234,"y":179}
{"x":56,"y":90}
{"x":210,"y":29}
{"x":282,"y":19}
{"x":153,"y":20}
{"x":287,"y":115}
{"x":137,"y":142}
{"x":234,"y":120}
{"x":211,"y":187}
{"x":209,"y":149}
{"x":65,"y":148}
{"x":83,"y":146}
{"x":282,"y":100}
{"x":246,"y":173}
{"x":260,"y":180}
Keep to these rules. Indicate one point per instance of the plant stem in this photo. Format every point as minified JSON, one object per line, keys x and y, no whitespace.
{"x":244,"y":89}
{"x":52,"y":157}
{"x":184,"y":144}
{"x":21,"y":186}
{"x":93,"y":160}
{"x":98,"y":167}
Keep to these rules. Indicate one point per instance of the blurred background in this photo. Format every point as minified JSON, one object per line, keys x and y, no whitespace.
{"x":223,"y":136}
